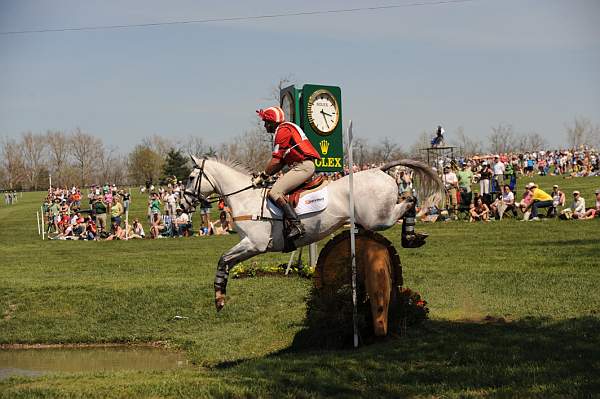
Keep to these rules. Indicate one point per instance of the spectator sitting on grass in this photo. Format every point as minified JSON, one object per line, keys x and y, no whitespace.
{"x":479,"y":211}
{"x":91,"y":230}
{"x":181,"y":223}
{"x":137,"y":230}
{"x":79,"y":227}
{"x":157,"y":227}
{"x":594,"y":212}
{"x":222,"y":226}
{"x":525,"y":203}
{"x":117,"y":233}
{"x":578,"y":206}
{"x":505,"y":203}
{"x":541,"y":199}
{"x":558,"y":200}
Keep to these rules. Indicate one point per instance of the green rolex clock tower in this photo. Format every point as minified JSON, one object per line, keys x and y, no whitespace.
{"x":317,"y":109}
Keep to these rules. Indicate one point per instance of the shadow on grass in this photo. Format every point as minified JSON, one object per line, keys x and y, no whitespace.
{"x":531,"y":357}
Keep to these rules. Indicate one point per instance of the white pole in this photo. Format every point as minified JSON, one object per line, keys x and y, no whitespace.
{"x":37,"y":217}
{"x":312,"y":254}
{"x":127,"y":223}
{"x":352,"y":232}
{"x":50,"y":181}
{"x":43,"y":228}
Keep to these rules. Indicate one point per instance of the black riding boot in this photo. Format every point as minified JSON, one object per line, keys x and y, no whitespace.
{"x":295,"y":229}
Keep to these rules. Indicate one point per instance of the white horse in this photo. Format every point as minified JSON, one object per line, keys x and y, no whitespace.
{"x":377,"y":206}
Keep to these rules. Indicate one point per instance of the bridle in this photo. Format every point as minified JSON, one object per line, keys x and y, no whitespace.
{"x":198,"y":197}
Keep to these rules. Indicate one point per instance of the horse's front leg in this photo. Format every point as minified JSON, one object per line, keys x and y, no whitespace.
{"x":244,"y":250}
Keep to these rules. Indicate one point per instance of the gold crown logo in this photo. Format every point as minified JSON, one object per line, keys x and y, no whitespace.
{"x":324,"y":144}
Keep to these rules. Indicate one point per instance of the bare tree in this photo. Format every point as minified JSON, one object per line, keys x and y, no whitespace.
{"x":33,"y":148}
{"x":253,"y":148}
{"x":12,"y":163}
{"x":284,"y":81}
{"x":193,"y":145}
{"x":422,"y":141}
{"x":535,"y":142}
{"x":85,"y":150}
{"x":582,"y":132}
{"x":468,"y":146}
{"x":58,"y":145}
{"x":158,"y":144}
{"x":502,"y":139}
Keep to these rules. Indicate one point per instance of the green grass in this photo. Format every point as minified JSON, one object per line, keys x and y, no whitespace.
{"x":542,"y":277}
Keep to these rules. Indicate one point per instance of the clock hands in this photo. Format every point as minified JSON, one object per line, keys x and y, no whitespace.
{"x":325,"y":113}
{"x":325,"y":119}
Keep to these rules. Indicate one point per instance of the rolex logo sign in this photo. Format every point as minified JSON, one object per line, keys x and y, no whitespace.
{"x":324,"y":144}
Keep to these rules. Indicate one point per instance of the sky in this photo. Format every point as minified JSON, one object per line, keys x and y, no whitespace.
{"x":534,"y":64}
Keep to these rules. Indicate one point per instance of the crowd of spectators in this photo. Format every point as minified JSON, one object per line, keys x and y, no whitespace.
{"x":104,"y":216}
{"x":496,"y":177}
{"x":98,"y":215}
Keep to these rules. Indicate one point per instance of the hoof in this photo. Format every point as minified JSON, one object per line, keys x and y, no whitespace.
{"x":414,"y":241}
{"x":219,"y":301}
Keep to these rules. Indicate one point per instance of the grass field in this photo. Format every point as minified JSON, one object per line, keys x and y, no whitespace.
{"x":543,"y":278}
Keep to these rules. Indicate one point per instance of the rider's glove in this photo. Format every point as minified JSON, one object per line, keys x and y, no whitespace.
{"x":260,"y":180}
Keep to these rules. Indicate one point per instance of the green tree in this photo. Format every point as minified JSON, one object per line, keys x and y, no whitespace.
{"x":176,"y":164}
{"x":144,"y":164}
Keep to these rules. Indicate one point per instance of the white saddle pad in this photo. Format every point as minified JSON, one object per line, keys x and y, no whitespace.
{"x":314,"y":201}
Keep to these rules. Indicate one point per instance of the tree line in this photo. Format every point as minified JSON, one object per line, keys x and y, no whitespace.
{"x":81,"y":159}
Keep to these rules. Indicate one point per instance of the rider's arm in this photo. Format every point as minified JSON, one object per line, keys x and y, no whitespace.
{"x":274,"y":166}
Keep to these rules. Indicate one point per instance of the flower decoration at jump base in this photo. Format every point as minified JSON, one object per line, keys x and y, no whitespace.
{"x":412,"y":307}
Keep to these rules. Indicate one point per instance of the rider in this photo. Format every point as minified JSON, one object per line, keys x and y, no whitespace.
{"x":291,"y":147}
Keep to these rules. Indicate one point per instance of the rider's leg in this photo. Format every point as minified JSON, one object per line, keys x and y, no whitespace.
{"x":297,"y":175}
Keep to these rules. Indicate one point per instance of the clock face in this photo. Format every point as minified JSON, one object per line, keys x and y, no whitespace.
{"x":323,"y":112}
{"x":288,"y":106}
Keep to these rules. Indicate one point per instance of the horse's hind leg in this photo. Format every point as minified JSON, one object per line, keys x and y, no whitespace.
{"x":244,"y":250}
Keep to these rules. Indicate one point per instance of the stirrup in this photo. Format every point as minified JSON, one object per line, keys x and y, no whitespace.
{"x":296,"y":230}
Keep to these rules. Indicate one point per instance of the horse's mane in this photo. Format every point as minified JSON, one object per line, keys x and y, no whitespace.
{"x":232,"y":163}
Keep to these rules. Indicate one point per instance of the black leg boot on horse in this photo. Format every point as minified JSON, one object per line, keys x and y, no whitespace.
{"x":410,"y":238}
{"x":294,"y":228}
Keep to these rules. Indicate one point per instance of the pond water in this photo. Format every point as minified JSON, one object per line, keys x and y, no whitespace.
{"x":36,"y":362}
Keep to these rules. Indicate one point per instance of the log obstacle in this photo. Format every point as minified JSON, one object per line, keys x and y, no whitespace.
{"x":379,"y":279}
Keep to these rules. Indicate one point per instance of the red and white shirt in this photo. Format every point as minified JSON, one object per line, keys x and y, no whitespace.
{"x":291,"y":145}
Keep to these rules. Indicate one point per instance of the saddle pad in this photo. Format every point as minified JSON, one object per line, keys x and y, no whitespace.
{"x":313,"y":201}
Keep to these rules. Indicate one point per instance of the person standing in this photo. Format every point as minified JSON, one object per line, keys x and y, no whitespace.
{"x":484,"y":179}
{"x":116,"y":211}
{"x":498,"y":168}
{"x":100,"y":208}
{"x":451,"y":185}
{"x":205,"y":209}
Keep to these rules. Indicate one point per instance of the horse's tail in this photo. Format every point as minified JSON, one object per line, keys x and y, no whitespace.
{"x":430,"y":189}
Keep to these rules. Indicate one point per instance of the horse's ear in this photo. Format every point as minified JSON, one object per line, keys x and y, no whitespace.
{"x":195,"y":160}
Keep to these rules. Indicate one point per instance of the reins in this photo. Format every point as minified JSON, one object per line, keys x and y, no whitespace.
{"x":197,"y":195}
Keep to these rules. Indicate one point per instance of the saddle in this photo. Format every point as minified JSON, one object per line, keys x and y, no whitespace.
{"x":294,"y":196}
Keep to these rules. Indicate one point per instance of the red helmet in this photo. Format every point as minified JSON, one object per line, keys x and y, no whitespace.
{"x":274,"y":114}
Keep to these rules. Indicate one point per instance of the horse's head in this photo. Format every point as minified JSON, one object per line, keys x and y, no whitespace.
{"x":199,"y":186}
